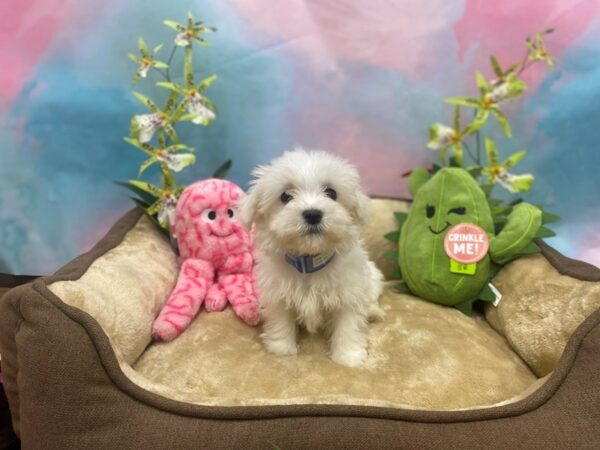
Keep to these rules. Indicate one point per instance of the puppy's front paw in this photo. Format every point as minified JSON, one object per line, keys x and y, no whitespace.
{"x":350,"y":357}
{"x":376,"y":313}
{"x":280,"y":347}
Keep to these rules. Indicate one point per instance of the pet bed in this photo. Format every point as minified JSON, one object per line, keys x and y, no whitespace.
{"x":80,"y":370}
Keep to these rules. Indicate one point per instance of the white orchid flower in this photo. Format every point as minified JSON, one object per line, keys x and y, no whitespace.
{"x":147,"y":124}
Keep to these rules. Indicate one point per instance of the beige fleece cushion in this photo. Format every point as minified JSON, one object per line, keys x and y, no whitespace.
{"x":540,"y":309}
{"x":382,"y":221}
{"x":422,"y":356}
{"x":125,"y":288}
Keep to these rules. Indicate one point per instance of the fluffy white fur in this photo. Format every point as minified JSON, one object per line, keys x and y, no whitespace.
{"x":340,"y":298}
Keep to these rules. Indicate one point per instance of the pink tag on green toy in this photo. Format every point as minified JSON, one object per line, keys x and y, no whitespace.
{"x":466,"y":243}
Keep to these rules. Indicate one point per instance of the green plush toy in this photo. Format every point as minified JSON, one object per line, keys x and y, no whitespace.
{"x":451,"y":197}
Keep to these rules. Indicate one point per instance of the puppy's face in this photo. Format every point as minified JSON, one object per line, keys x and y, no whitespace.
{"x":305,"y":203}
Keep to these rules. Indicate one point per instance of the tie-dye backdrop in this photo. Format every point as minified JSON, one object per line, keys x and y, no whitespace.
{"x":361,"y":78}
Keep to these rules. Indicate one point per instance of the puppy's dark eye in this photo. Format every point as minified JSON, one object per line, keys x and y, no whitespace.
{"x":285,"y":198}
{"x":330,"y":192}
{"x":460,"y":210}
{"x":230,"y":212}
{"x":430,"y":211}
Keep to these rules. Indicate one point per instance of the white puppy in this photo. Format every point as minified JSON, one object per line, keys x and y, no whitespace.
{"x":313,"y":269}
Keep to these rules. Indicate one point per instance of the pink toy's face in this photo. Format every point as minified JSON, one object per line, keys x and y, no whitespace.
{"x":218,"y":219}
{"x":208,"y":208}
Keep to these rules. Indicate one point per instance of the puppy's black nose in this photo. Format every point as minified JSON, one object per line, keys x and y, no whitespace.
{"x":312,"y":216}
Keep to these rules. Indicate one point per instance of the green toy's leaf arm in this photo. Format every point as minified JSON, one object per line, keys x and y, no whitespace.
{"x":466,"y":307}
{"x":402,"y":288}
{"x":544,"y":232}
{"x":486,"y":294}
{"x":521,"y":227}
{"x":400,"y":218}
{"x":549,"y":217}
{"x":417,"y":178}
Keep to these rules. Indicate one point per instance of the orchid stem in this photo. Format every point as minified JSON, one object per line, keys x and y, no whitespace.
{"x":169,"y":63}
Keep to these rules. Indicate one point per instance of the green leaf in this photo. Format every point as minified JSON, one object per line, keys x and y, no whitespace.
{"x":391,"y":256}
{"x":160,"y":65}
{"x":491,"y":152}
{"x":143,"y":47}
{"x":147,"y":102}
{"x":146,"y":148}
{"x":139,"y":202}
{"x":394,"y":274}
{"x":154,"y":208}
{"x":188,"y":69}
{"x":463,"y":101}
{"x":171,"y":86}
{"x":144,"y":195}
{"x":503,"y":121}
{"x":496,"y":67}
{"x":204,"y":84}
{"x":514,"y":159}
{"x":549,"y":217}
{"x":482,"y":83}
{"x":544,"y":232}
{"x":174,"y":25}
{"x":146,"y":164}
{"x":479,"y":121}
{"x":456,"y":121}
{"x":474,"y":171}
{"x":147,"y":187}
{"x":393,"y":236}
{"x":222,"y":170}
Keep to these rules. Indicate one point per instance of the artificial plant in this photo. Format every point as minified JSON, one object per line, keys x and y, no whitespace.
{"x":155,"y":132}
{"x":485,"y":168}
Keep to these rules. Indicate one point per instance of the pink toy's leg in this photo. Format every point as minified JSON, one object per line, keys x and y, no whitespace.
{"x":216,"y":299}
{"x":195,"y":278}
{"x":241,"y":295}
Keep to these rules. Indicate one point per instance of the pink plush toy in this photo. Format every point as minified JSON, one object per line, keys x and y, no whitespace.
{"x":216,"y":257}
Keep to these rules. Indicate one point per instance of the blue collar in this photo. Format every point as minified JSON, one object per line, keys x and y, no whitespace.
{"x":309,"y":263}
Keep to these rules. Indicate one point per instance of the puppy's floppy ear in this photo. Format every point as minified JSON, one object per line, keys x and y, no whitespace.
{"x":249,"y":203}
{"x":361,"y":208}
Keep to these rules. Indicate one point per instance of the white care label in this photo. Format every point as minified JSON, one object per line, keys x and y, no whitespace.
{"x":496,"y":293}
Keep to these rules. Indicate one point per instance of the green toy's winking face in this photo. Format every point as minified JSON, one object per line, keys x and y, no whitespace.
{"x":450,"y":197}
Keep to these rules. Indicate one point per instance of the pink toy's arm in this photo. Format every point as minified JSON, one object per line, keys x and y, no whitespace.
{"x":239,"y":263}
{"x":237,"y":280}
{"x":195,"y":278}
